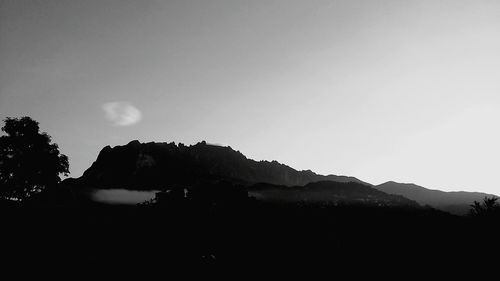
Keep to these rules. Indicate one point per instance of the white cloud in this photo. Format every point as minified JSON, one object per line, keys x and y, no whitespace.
{"x":122,"y":113}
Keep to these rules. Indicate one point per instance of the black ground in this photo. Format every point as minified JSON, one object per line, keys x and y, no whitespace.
{"x":247,"y":235}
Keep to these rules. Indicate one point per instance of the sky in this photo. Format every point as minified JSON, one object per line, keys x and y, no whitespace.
{"x":407,"y":91}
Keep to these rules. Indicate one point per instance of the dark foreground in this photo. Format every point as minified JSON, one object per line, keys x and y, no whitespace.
{"x":247,"y":237}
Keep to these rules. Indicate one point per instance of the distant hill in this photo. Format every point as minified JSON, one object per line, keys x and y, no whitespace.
{"x":455,"y":202}
{"x":153,"y":166}
{"x":331,"y":193}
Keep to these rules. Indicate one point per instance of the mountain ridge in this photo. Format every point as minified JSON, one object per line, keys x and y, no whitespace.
{"x":140,"y":166}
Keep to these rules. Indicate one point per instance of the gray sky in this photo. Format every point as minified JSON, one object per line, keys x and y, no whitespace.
{"x":381,"y":90}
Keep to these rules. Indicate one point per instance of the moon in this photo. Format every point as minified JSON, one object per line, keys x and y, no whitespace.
{"x":122,"y":113}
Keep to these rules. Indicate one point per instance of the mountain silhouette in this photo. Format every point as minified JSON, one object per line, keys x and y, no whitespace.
{"x":156,"y":166}
{"x":455,"y":202}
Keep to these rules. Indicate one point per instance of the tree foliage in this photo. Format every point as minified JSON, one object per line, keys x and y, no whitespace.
{"x":29,"y":162}
{"x":488,"y":207}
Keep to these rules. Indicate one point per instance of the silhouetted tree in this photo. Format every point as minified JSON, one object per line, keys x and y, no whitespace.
{"x":488,"y":207}
{"x":29,"y":162}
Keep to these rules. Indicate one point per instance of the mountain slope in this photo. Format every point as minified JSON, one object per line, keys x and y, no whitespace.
{"x":150,"y":166}
{"x":456,"y":202}
{"x":329,"y":192}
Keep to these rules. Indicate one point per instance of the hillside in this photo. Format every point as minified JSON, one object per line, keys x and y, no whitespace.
{"x":330,"y":193}
{"x":456,"y":202}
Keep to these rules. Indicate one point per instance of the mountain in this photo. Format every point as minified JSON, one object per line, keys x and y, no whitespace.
{"x":153,"y":166}
{"x":455,"y":202}
{"x":329,"y":192}
{"x":159,"y":166}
